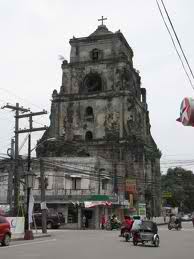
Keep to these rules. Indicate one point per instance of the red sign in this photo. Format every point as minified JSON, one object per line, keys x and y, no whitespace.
{"x":130,"y":186}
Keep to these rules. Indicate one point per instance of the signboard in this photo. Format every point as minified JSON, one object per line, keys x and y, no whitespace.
{"x":142,"y":209}
{"x":187,"y":112}
{"x":131,"y":200}
{"x":43,"y":205}
{"x":167,"y":195}
{"x":16,"y":224}
{"x":130,"y":186}
{"x":4,"y":209}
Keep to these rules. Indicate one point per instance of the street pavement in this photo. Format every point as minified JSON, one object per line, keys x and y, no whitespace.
{"x":82,"y":244}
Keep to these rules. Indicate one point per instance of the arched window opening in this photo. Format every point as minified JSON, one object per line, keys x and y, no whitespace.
{"x":89,"y":115}
{"x":89,"y":111}
{"x":95,"y":54}
{"x":93,"y":83}
{"x":88,"y":136}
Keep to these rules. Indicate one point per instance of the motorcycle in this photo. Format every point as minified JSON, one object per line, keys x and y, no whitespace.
{"x":110,"y":225}
{"x":127,"y":235}
{"x":174,"y":225}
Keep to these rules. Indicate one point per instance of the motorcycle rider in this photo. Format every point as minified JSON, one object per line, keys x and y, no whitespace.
{"x":137,"y":223}
{"x":126,"y":225}
{"x":175,"y":221}
{"x":114,"y":222}
{"x":136,"y":226}
{"x":172,"y":218}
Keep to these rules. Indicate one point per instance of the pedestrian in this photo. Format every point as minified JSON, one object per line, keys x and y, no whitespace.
{"x":103,"y":221}
{"x":84,"y":222}
{"x":193,"y":218}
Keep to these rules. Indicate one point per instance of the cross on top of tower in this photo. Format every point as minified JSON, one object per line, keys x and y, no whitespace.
{"x":102,"y":19}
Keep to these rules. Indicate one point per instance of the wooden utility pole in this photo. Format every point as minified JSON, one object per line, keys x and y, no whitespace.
{"x":43,"y":197}
{"x":17,"y":110}
{"x":11,"y":154}
{"x":18,"y":116}
{"x":31,"y":129}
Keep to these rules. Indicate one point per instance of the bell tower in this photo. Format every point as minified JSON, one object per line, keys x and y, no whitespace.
{"x":101,"y":111}
{"x":100,"y":98}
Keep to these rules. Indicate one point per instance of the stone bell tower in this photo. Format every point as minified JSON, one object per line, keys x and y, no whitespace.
{"x":101,"y":108}
{"x":100,"y":88}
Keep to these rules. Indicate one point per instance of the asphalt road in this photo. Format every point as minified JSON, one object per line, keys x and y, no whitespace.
{"x":102,"y":244}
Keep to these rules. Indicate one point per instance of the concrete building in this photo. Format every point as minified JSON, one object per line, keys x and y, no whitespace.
{"x":76,"y":186}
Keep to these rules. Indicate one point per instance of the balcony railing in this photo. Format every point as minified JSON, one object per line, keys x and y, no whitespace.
{"x":64,"y":192}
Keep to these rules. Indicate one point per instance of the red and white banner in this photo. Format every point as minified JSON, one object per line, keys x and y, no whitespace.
{"x":92,"y":204}
{"x":187,"y":112}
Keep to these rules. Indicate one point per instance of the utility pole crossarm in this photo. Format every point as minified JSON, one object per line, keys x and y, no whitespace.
{"x":32,"y":130}
{"x":32,"y":114}
{"x":20,"y":109}
{"x":15,"y":108}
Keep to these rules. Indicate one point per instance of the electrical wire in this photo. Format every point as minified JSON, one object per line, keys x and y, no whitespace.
{"x":177,"y":39}
{"x":19,"y":97}
{"x":182,"y":63}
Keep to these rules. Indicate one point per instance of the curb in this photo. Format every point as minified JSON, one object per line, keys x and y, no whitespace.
{"x":35,"y":237}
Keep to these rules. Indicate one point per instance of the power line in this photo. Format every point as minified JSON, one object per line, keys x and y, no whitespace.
{"x":18,"y":97}
{"x":177,"y":39}
{"x":182,"y":63}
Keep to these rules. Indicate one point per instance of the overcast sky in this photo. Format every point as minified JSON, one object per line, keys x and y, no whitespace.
{"x":35,"y":32}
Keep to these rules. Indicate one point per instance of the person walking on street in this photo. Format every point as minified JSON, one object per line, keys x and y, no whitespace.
{"x":84,"y":222}
{"x":103,"y":221}
{"x":193,"y":219}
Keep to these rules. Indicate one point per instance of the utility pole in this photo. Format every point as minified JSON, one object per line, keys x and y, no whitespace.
{"x":17,"y":110}
{"x":10,"y":153}
{"x":43,"y":197}
{"x":28,"y":234}
{"x":18,"y":116}
{"x":99,"y":180}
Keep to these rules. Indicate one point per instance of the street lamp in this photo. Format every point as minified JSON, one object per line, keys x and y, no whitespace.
{"x":30,"y":180}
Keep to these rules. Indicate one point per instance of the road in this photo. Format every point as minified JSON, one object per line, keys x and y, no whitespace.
{"x":102,"y":244}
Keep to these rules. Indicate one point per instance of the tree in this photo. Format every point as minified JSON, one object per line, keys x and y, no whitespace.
{"x":180,"y":184}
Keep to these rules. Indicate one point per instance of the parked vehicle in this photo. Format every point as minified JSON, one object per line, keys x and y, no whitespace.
{"x":148,"y":232}
{"x":186,"y":217}
{"x":5,"y":233}
{"x":54,"y":220}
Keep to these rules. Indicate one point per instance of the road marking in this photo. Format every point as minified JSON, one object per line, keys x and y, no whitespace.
{"x":29,"y":243}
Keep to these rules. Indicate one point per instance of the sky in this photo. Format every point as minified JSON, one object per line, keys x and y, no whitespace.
{"x":34,"y":33}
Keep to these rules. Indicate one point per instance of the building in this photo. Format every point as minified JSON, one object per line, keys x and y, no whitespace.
{"x":4,"y":174}
{"x":101,"y":111}
{"x":100,"y":119}
{"x":75,"y":186}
